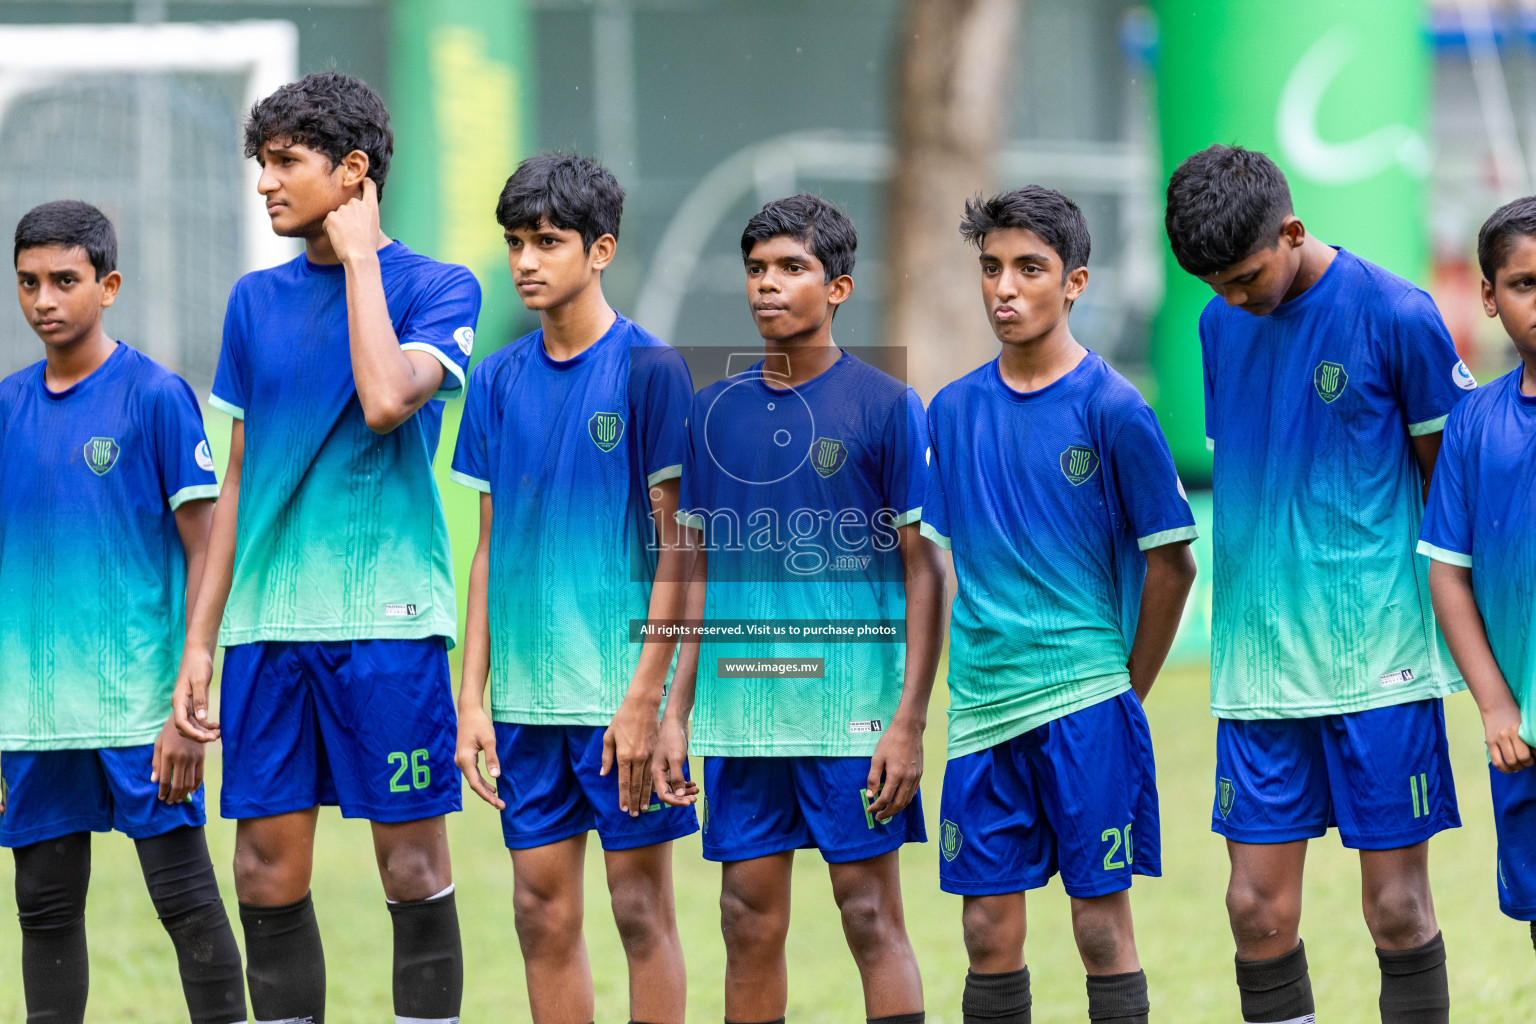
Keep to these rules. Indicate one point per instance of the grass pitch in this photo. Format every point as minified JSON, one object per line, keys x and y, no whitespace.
{"x":1180,"y":920}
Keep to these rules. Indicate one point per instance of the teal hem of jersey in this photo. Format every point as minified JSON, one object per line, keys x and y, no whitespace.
{"x":1210,"y":444}
{"x":934,"y":535}
{"x":336,"y":634}
{"x":1427,"y":427}
{"x":1444,"y":555}
{"x":908,"y":517}
{"x":194,"y":493}
{"x":226,"y":407}
{"x":1386,"y":699}
{"x":522,"y":716}
{"x":725,"y":748}
{"x":445,"y":392}
{"x":27,"y":744}
{"x":690,"y":520}
{"x":1157,"y":540}
{"x":664,"y":473}
{"x":1101,"y":688}
{"x":472,"y":482}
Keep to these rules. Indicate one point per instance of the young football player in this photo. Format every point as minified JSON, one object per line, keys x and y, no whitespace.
{"x":329,"y":563}
{"x":1327,"y":383}
{"x":1481,"y":537}
{"x":574,"y":436}
{"x":1053,"y":488}
{"x":803,"y":480}
{"x":106,"y":488}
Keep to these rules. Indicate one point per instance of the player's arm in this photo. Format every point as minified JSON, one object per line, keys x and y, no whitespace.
{"x":1426,"y":450}
{"x":391,"y":383}
{"x":477,"y":733}
{"x":190,"y":698}
{"x":1170,"y":574}
{"x":672,"y":744}
{"x":897,"y":766}
{"x":177,"y":764}
{"x":1450,"y":588}
{"x":629,"y":744}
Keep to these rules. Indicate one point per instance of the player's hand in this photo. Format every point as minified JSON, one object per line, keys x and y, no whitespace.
{"x":672,"y":787}
{"x":189,"y":700}
{"x":477,"y":735}
{"x":899,"y":761}
{"x":1501,"y":731}
{"x":177,"y":764}
{"x":353,"y":227}
{"x":628,"y":745}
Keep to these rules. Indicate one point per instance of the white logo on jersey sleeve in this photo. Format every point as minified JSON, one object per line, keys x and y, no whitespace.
{"x":1462,"y":377}
{"x":465,"y":337}
{"x":203,"y":456}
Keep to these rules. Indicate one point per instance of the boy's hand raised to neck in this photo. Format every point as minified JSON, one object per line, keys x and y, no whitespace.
{"x":352,"y":230}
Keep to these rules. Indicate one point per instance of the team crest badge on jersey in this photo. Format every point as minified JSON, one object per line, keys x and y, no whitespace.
{"x":1330,"y":380}
{"x":1226,"y":796}
{"x":950,"y":840}
{"x":606,"y":429}
{"x":828,"y":456}
{"x":1079,"y":463}
{"x":101,"y":454}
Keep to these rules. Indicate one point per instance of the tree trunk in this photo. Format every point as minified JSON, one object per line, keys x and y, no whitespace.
{"x":953,"y":92}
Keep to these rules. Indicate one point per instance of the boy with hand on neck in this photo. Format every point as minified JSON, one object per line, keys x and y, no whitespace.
{"x":1479,"y":534}
{"x":573,"y":436}
{"x":1058,"y":629}
{"x":802,"y":486}
{"x":106,"y":488}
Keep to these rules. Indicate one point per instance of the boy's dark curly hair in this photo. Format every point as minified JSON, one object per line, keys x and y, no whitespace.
{"x":329,"y":113}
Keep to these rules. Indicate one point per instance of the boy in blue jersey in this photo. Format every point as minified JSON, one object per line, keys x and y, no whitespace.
{"x":1327,"y":383}
{"x":1052,"y":486}
{"x":802,"y":487}
{"x":105,"y":502}
{"x":1480,"y":535}
{"x":328,"y":564}
{"x":573,"y":436}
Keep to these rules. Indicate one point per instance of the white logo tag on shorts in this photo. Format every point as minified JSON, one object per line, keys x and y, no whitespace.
{"x":873,"y":725}
{"x":1402,"y":675}
{"x":400,"y":609}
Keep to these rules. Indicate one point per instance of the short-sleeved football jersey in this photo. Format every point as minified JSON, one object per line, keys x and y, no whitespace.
{"x":1320,"y":605}
{"x":799,"y":494}
{"x":1482,"y":515}
{"x":567,"y":450}
{"x":93,"y":575}
{"x":341,"y":533}
{"x":1047,"y":500}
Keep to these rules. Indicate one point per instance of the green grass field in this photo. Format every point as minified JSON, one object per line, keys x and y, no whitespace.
{"x":1181,"y":923}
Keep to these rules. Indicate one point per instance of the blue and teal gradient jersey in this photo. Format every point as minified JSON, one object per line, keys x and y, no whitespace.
{"x":1320,"y":605}
{"x":92,"y":571}
{"x":341,"y":533}
{"x":1047,"y":500}
{"x":1482,"y":516}
{"x":799,"y":494}
{"x":568,"y":451}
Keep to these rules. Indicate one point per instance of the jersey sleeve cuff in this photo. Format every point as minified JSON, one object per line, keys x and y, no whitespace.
{"x":196,"y":492}
{"x":1157,"y":540}
{"x":472,"y":482}
{"x":927,"y":530}
{"x":1433,"y":426}
{"x":453,"y":376}
{"x":908,"y":517}
{"x":1443,"y":555}
{"x":226,"y":407}
{"x":690,"y":520}
{"x":1210,"y":444}
{"x":664,"y":473}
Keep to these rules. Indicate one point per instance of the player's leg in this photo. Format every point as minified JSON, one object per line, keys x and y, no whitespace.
{"x":284,"y":960}
{"x":997,"y":983}
{"x":547,"y":906}
{"x":640,"y":887}
{"x":868,"y":894}
{"x":1272,"y":795}
{"x":51,"y":881}
{"x":1390,"y":775}
{"x":418,"y":885}
{"x":754,"y":920}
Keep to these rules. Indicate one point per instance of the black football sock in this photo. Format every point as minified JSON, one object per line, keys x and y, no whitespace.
{"x":1414,"y":987}
{"x":1533,"y":934}
{"x":1121,"y":998}
{"x":1276,"y":990}
{"x":51,"y":879}
{"x":179,"y":874}
{"x":429,"y":959}
{"x":996,"y":998}
{"x":899,"y":1018}
{"x":776,"y":1020}
{"x":284,"y":962}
